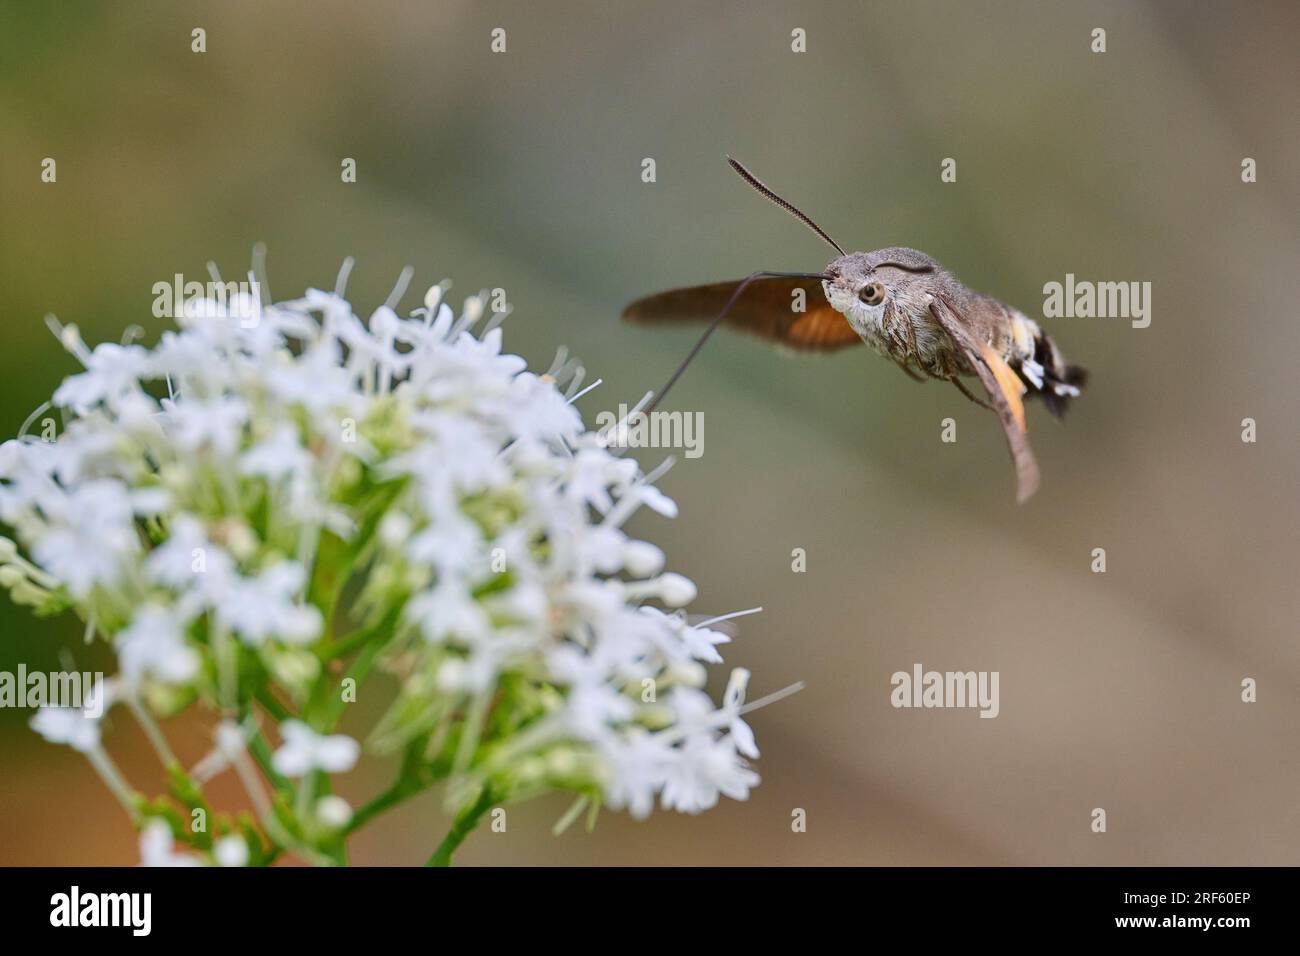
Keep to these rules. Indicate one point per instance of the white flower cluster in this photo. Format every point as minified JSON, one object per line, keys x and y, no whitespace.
{"x":273,"y":488}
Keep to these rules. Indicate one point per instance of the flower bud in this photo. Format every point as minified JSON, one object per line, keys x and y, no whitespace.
{"x":676,"y":590}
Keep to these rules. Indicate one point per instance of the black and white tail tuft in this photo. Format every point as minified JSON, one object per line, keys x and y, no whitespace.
{"x":1048,"y":375}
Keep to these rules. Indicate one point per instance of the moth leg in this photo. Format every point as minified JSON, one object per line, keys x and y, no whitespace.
{"x":965,"y":391}
{"x":900,"y":343}
{"x":911,"y":341}
{"x":914,"y":376}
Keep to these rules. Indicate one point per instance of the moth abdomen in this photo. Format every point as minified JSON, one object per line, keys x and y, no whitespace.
{"x":1043,"y":368}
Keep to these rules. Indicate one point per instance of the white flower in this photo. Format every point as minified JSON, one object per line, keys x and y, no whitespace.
{"x":230,"y":739}
{"x":703,"y":769}
{"x":537,"y":413}
{"x":158,"y":848}
{"x":278,"y":456}
{"x":310,"y":477}
{"x":458,"y":455}
{"x":188,"y":560}
{"x":91,"y":535}
{"x":451,"y":543}
{"x":742,"y":737}
{"x":304,"y":750}
{"x":112,"y":371}
{"x":676,"y":590}
{"x":653,"y":498}
{"x":230,"y":851}
{"x":266,"y":606}
{"x":690,"y":642}
{"x":215,"y":424}
{"x":593,"y":705}
{"x":317,"y":383}
{"x":641,"y":558}
{"x":639,"y":766}
{"x":449,"y":611}
{"x":333,"y":811}
{"x":67,"y":725}
{"x":154,"y":645}
{"x":78,"y":727}
{"x":592,"y":472}
{"x":230,"y":746}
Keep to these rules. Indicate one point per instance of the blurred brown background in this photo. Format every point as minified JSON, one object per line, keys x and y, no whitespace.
{"x":1118,"y":690}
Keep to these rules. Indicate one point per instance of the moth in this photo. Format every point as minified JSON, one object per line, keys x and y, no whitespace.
{"x":903,"y":305}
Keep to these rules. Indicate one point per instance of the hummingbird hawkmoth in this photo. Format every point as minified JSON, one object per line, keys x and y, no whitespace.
{"x":905,"y":306}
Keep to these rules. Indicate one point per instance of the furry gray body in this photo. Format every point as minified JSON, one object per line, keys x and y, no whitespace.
{"x":903,"y":328}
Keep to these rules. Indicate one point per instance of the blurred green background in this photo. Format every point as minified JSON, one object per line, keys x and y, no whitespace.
{"x":522,"y":170}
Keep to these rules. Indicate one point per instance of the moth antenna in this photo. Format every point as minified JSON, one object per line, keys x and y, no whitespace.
{"x":789,"y":207}
{"x":744,"y":284}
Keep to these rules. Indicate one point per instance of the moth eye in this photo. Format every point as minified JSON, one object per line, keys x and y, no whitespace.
{"x":873,"y":293}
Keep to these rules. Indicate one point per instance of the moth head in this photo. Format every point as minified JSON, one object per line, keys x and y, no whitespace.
{"x":862,"y":284}
{"x":855,"y":288}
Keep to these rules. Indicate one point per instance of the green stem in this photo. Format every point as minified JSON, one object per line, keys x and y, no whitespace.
{"x":386,"y":800}
{"x":112,"y":778}
{"x":463,"y":825}
{"x":358,"y":671}
{"x":272,"y":704}
{"x":413,"y":778}
{"x":358,"y":639}
{"x":261,"y":751}
{"x":303,"y":806}
{"x":151,"y":730}
{"x":226,"y":652}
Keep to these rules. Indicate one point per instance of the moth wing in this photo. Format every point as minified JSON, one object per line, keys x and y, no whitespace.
{"x":1004,"y":390}
{"x":1008,"y":384}
{"x":767,"y":309}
